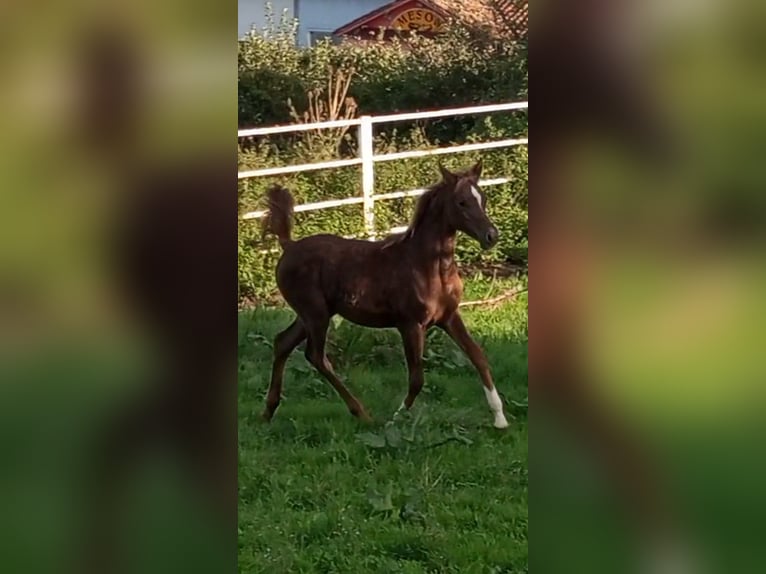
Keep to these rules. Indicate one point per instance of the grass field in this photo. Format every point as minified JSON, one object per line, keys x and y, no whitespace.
{"x":437,"y":490}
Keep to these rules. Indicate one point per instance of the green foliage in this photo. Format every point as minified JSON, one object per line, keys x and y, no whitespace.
{"x":276,"y":76}
{"x":402,"y":74}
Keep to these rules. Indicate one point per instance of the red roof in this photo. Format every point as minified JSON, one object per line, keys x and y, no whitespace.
{"x":384,"y":16}
{"x":495,"y":16}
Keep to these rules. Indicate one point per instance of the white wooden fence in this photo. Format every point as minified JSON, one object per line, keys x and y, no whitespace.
{"x":367,"y":157}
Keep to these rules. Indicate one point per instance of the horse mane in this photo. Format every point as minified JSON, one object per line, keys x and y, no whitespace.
{"x":426,"y":202}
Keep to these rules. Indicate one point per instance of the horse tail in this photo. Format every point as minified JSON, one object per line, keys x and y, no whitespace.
{"x":279,"y":218}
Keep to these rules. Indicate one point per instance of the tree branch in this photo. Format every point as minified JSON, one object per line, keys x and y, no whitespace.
{"x":507,"y":295}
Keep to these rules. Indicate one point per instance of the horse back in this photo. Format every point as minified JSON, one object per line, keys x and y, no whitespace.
{"x":360,"y":280}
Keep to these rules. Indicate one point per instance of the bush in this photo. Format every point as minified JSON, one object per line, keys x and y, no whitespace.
{"x":275,"y":79}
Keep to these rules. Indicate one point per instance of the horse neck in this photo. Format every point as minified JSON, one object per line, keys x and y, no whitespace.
{"x":433,"y":243}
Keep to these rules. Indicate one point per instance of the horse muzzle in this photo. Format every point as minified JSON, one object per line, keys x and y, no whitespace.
{"x":489,"y":239}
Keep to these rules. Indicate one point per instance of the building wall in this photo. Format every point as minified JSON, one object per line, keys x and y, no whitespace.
{"x":313,"y":15}
{"x":328,"y":15}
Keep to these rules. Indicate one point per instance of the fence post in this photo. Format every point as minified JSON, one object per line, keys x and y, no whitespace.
{"x":368,"y":176}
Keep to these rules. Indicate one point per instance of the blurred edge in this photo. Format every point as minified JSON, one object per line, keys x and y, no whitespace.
{"x":118,"y":287}
{"x":116,"y":301}
{"x":647,"y":280}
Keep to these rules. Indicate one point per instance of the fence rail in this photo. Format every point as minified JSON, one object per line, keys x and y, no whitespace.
{"x":367,"y":157}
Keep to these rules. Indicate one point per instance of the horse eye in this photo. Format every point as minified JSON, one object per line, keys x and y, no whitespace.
{"x":461,"y":203}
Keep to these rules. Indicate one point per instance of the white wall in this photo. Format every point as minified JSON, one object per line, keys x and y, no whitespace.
{"x":318,"y":15}
{"x":328,"y":15}
{"x":253,"y":13}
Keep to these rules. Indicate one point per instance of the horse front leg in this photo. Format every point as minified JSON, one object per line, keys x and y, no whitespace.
{"x":413,"y":337}
{"x":458,"y":332}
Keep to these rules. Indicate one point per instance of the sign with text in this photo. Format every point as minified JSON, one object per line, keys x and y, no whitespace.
{"x":419,"y":19}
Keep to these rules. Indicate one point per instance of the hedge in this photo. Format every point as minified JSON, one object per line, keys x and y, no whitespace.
{"x":282,"y":83}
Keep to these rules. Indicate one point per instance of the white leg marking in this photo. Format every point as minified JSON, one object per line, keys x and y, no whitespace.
{"x":399,"y":410}
{"x":496,"y":406}
{"x":476,"y":195}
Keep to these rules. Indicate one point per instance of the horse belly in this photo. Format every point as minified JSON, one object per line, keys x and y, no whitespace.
{"x":367,"y":314}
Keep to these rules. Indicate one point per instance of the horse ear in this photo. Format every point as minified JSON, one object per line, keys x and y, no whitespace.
{"x":447,"y":175}
{"x":476,"y":169}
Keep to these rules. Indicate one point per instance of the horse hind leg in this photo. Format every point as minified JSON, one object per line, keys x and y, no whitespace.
{"x":315,"y":354}
{"x":413,"y":339}
{"x":284,"y":344}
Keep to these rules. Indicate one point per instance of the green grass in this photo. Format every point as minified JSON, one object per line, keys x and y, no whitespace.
{"x":438,"y":490}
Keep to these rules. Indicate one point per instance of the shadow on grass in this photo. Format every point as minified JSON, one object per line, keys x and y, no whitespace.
{"x":371,"y":361}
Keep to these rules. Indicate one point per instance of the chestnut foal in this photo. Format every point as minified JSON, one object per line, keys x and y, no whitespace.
{"x":408,"y":281}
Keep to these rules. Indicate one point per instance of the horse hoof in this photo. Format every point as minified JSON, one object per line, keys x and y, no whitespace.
{"x":266,"y":416}
{"x":364,"y":417}
{"x":501,"y":423}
